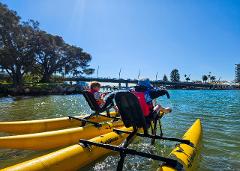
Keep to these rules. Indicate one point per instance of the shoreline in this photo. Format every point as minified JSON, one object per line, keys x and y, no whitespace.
{"x":39,"y":90}
{"x":64,"y":89}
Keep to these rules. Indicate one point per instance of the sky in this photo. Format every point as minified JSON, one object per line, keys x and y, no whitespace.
{"x":150,"y":36}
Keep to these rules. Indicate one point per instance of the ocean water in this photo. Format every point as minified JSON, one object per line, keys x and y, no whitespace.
{"x":219,"y":112}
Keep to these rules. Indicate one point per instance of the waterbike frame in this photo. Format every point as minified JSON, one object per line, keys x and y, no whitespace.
{"x":123,"y":150}
{"x":132,"y":116}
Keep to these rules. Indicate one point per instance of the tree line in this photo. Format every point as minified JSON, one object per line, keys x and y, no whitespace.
{"x":209,"y":77}
{"x":26,"y":49}
{"x":175,"y":77}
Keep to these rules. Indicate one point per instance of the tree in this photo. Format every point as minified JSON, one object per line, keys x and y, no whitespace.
{"x":54,"y":55}
{"x":16,"y":44}
{"x":25,"y":49}
{"x":165,"y":78}
{"x":204,"y":78}
{"x":213,"y":78}
{"x":78,"y":61}
{"x":209,"y":76}
{"x":89,"y":71}
{"x":187,"y":78}
{"x":175,"y":76}
{"x":50,"y":55}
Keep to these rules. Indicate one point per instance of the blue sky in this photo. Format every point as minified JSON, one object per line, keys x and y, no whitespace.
{"x":195,"y":37}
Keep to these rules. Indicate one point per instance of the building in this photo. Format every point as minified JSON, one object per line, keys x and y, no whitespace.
{"x":237,"y":73}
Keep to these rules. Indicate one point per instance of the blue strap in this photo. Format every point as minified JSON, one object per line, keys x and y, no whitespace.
{"x":147,"y":96}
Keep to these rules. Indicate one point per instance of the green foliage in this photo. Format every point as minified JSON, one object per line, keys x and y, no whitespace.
{"x":165,"y":78}
{"x":50,"y":56}
{"x":175,"y":76}
{"x":213,"y":78}
{"x":16,"y":44}
{"x":204,"y":78}
{"x":29,"y":54}
{"x":88,"y":71}
{"x":31,"y":78}
{"x":44,"y":86}
{"x":77,"y":63}
{"x":55,"y":56}
{"x":187,"y":78}
{"x":209,"y":76}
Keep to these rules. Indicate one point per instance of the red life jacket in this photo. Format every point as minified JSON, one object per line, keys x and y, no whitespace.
{"x":146,"y":108}
{"x":93,"y":92}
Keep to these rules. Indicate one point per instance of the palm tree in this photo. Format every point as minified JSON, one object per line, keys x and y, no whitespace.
{"x":213,"y":78}
{"x":209,"y":76}
{"x":187,"y":78}
{"x":204,"y":78}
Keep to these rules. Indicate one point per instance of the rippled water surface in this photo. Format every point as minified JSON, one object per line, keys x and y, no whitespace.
{"x":219,"y":112}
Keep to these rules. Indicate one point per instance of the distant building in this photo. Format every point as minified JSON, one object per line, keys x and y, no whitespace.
{"x":237,"y":73}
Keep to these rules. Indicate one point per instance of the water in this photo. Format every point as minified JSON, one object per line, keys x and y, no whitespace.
{"x":219,"y":112}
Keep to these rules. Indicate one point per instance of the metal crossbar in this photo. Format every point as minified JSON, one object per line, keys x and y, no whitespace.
{"x":156,"y":137}
{"x":84,"y":121}
{"x":168,"y":161}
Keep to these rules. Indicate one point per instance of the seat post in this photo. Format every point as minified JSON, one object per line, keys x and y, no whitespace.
{"x":130,"y":137}
{"x":132,"y":116}
{"x":125,"y":145}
